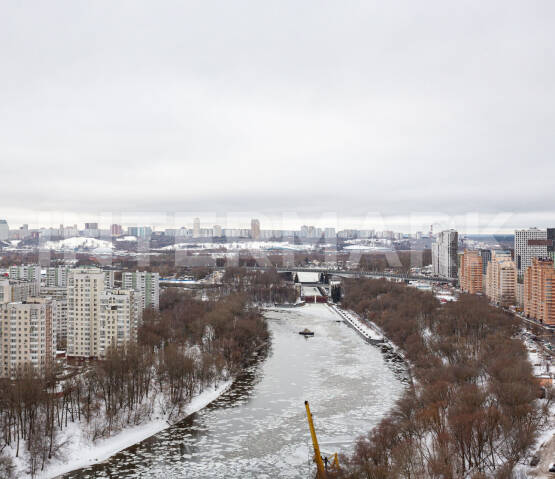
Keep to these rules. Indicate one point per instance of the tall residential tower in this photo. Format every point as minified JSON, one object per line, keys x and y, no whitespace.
{"x":444,"y":254}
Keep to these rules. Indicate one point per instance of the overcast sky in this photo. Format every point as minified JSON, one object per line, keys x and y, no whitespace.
{"x":269,"y":107}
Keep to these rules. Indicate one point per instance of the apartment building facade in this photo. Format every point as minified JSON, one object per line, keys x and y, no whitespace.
{"x":27,"y":336}
{"x":26,"y":272}
{"x":529,"y":243}
{"x":470,"y":272}
{"x":56,"y":276}
{"x":120,"y":317}
{"x":16,"y":290}
{"x":60,"y":296}
{"x":145,"y":283}
{"x":539,"y":290}
{"x":501,"y":278}
{"x":85,"y":285}
{"x":444,"y":254}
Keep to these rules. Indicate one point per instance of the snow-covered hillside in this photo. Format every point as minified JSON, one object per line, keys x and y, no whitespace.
{"x":79,"y":243}
{"x":246,"y":245}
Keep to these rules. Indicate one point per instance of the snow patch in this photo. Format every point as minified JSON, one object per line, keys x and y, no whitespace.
{"x":246,"y":245}
{"x":127,"y":238}
{"x":80,"y":243}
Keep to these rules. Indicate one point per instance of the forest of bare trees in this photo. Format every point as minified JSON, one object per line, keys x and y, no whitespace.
{"x":185,"y":347}
{"x":472,"y":410}
{"x":401,"y":261}
{"x":260,"y":286}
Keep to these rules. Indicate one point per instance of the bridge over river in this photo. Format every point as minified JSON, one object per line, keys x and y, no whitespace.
{"x":357,"y":274}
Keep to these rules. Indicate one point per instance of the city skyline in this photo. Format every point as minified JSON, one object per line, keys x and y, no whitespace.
{"x":502,"y":223}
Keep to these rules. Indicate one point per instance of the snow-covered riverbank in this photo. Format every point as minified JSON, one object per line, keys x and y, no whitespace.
{"x":81,"y":452}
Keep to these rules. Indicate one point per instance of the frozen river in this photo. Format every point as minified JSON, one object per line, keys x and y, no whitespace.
{"x":258,"y":429}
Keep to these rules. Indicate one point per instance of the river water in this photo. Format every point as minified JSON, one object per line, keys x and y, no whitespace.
{"x":258,"y":428}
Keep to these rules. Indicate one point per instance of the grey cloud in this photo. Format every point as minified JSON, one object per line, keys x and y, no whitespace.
{"x":309,"y":106}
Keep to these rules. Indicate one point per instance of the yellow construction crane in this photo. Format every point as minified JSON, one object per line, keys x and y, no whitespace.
{"x":317,"y":455}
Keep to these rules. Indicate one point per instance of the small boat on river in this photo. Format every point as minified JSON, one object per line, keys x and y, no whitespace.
{"x":306,"y":332}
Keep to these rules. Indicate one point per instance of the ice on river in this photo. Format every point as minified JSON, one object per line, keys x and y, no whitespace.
{"x":258,"y":428}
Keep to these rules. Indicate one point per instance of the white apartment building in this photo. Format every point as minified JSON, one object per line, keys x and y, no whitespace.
{"x":56,"y":276}
{"x":529,"y":244}
{"x":27,"y":335}
{"x":120,"y":317}
{"x":84,"y":287}
{"x":26,"y":272}
{"x":17,"y":291}
{"x":145,"y":283}
{"x":109,"y":279}
{"x":60,"y":296}
{"x":444,"y":254}
{"x":5,"y":291}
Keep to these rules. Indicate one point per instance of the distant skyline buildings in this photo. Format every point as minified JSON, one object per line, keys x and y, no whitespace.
{"x":471,"y":223}
{"x":4,"y":230}
{"x":253,"y":229}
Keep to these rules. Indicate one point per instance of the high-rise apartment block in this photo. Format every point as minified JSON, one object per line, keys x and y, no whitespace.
{"x":120,"y":316}
{"x":444,"y":254}
{"x":145,"y":283}
{"x":539,"y":290}
{"x":141,"y":232}
{"x":91,"y":230}
{"x":5,"y":291}
{"x":12,"y":290}
{"x":56,"y":276}
{"x":84,"y":287}
{"x":529,"y":244}
{"x":109,"y":278}
{"x":116,"y":230}
{"x":255,"y":229}
{"x":59,"y":294}
{"x":501,"y":278}
{"x":196,"y":228}
{"x":486,"y":258}
{"x":27,"y":335}
{"x":551,"y":243}
{"x":26,"y":272}
{"x":470,"y":273}
{"x":99,"y":317}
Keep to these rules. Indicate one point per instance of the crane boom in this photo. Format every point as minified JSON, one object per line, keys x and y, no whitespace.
{"x":317,"y":456}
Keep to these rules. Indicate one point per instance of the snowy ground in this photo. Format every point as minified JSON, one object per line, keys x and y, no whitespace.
{"x":127,"y":238}
{"x":78,"y":242}
{"x":545,"y":445}
{"x":80,"y":452}
{"x":357,"y":323}
{"x":246,"y":245}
